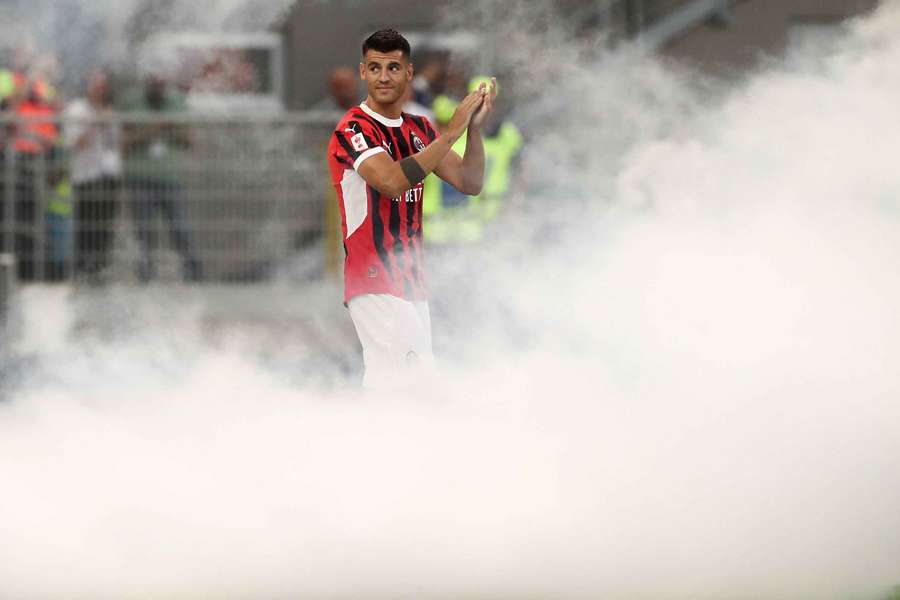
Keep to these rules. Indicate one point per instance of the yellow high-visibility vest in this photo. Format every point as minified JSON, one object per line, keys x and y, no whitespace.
{"x":60,"y":202}
{"x":454,"y":218}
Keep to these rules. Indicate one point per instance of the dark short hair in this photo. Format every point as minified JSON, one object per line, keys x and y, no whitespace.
{"x":386,"y":40}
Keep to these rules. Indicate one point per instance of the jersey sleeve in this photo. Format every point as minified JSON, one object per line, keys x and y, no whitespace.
{"x":430,"y":131}
{"x":357,"y":140}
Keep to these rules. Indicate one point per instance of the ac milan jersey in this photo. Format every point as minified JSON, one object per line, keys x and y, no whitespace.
{"x":382,"y":235}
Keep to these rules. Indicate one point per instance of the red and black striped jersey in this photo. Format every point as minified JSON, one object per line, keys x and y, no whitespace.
{"x":382,"y":235}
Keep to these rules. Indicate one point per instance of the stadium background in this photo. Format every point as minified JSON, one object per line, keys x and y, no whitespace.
{"x":269,"y":212}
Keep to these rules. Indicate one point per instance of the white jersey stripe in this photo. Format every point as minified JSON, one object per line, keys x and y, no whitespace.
{"x":370,"y":152}
{"x":356,"y":203}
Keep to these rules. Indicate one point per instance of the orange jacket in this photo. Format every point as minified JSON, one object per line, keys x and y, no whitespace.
{"x":36,"y":131}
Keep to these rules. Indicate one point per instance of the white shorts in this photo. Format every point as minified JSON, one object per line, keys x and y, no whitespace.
{"x":396,"y":339}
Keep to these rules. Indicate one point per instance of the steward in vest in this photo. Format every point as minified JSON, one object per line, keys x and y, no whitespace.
{"x":36,"y":128}
{"x":452,"y":217}
{"x":58,"y":218}
{"x":34,"y":138}
{"x":12,"y":84}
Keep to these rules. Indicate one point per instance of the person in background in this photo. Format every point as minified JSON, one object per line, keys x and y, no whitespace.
{"x":57,"y":216}
{"x":453,"y":217}
{"x":414,"y":108}
{"x":465,"y":230}
{"x":14,"y":80}
{"x":36,"y":130}
{"x":427,"y":81}
{"x":58,"y":221}
{"x":10,"y":82}
{"x":343,"y":91}
{"x":450,"y":89}
{"x":34,"y":139}
{"x":228,"y":71}
{"x":94,"y":140}
{"x":156,"y":152}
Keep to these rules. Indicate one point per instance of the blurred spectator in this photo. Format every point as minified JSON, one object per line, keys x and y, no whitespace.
{"x":31,"y":154}
{"x":10,"y":82}
{"x":30,"y":93}
{"x":452,"y":89}
{"x":414,"y":108}
{"x":58,"y":218}
{"x":226,"y":71}
{"x":33,"y":140}
{"x":343,"y":87}
{"x":454,"y":218}
{"x":45,"y":73}
{"x":13,"y":81}
{"x":428,"y":81}
{"x":95,"y":141}
{"x":36,"y":130}
{"x":461,"y":231}
{"x":156,"y":152}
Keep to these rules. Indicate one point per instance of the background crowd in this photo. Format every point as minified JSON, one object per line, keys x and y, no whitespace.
{"x":68,"y":163}
{"x":71,"y":166}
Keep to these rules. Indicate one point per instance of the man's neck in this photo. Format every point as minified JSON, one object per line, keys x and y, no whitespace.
{"x":391,"y":111}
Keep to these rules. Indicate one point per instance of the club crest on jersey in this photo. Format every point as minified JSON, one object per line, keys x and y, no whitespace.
{"x":419,"y":144}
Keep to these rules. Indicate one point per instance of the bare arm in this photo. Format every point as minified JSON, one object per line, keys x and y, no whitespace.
{"x":466,"y":174}
{"x":392,"y":178}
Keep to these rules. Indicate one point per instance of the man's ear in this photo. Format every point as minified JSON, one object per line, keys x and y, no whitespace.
{"x":362,"y":71}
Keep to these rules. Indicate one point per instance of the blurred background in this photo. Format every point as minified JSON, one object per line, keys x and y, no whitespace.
{"x":198,"y":157}
{"x":668,"y":324}
{"x":167,"y":143}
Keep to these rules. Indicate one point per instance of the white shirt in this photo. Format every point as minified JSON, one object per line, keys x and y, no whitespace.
{"x":102,"y":155}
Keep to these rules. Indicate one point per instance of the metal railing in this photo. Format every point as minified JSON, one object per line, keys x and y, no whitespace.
{"x":652,"y":22}
{"x":145,"y":197}
{"x":674,"y":18}
{"x":7,"y":290}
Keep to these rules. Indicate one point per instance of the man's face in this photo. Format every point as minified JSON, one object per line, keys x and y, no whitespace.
{"x":386,"y":75}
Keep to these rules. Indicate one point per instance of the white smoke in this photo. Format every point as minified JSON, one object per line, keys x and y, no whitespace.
{"x":692,"y":392}
{"x":70,"y":29}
